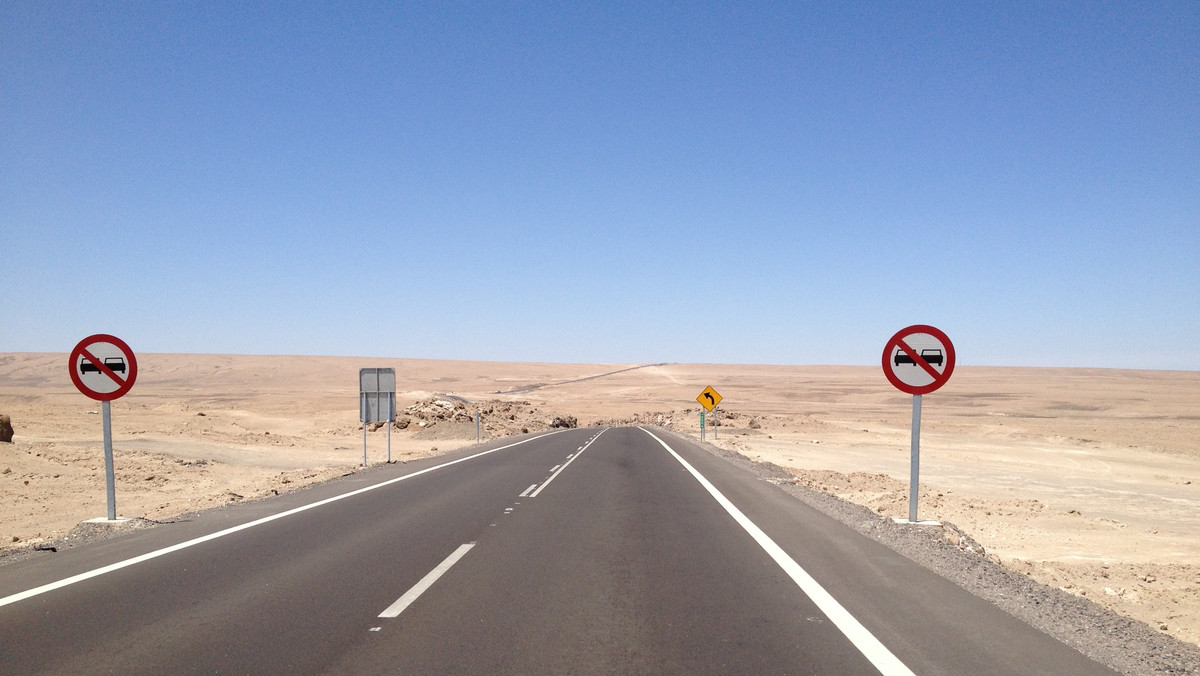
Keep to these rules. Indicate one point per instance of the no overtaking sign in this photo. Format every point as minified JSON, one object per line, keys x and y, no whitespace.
{"x":103,"y":367}
{"x":918,"y":359}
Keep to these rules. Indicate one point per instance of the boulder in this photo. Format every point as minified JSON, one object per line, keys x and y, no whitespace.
{"x":565,"y":422}
{"x":6,"y":429}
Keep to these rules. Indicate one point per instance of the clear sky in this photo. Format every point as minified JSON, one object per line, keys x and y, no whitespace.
{"x":730,"y":182}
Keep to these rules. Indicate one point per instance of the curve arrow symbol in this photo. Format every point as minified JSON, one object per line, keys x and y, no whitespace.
{"x":708,"y":395}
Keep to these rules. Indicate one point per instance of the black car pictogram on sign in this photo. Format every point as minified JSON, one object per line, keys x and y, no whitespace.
{"x":932,"y":356}
{"x":116,"y":364}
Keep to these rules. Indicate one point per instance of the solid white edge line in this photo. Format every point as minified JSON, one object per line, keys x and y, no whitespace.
{"x":66,"y":582}
{"x":871,"y":648}
{"x":564,"y":466}
{"x":426,"y":582}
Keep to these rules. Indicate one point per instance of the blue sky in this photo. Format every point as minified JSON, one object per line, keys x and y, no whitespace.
{"x":719,"y":182}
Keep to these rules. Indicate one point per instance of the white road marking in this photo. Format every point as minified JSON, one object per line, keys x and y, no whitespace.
{"x":554,"y":468}
{"x":572,"y":459}
{"x":426,"y":582}
{"x":525,"y":493}
{"x":229,"y":531}
{"x":871,"y":648}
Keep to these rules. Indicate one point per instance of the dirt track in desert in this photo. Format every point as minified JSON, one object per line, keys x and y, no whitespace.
{"x":1085,"y":479}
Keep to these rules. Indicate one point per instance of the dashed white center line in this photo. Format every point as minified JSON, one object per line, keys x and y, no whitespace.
{"x":426,"y":582}
{"x":571,"y":459}
{"x":525,"y":493}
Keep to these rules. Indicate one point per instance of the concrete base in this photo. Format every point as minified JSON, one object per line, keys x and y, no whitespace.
{"x":112,"y":522}
{"x":898,"y":519}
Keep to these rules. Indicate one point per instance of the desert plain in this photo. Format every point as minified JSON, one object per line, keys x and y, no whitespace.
{"x":1087,"y":480}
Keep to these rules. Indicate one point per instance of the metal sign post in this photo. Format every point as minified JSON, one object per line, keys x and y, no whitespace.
{"x":110,"y":475}
{"x":917,"y":360}
{"x":914,"y":473}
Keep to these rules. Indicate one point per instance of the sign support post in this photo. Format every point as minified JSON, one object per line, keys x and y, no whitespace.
{"x":110,"y":477}
{"x":915,"y":471}
{"x":701,"y":425}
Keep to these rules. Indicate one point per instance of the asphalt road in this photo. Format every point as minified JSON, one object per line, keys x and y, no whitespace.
{"x":584,"y":551}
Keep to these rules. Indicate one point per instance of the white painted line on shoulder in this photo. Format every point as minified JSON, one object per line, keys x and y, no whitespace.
{"x":871,"y":648}
{"x":564,"y":466}
{"x":554,"y":468}
{"x":65,"y":582}
{"x":426,"y":582}
{"x":525,"y":493}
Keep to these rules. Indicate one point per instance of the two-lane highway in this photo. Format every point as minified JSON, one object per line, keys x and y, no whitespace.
{"x":584,"y":551}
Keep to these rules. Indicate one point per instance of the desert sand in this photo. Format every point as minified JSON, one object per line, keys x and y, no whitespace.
{"x":1084,"y":479}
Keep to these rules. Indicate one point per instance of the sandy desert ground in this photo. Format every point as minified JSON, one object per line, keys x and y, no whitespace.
{"x":1087,"y":480}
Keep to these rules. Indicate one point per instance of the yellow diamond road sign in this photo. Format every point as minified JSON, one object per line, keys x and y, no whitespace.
{"x":709,"y":398}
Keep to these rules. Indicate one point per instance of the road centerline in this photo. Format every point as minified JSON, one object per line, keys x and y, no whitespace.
{"x":572,"y":457}
{"x":426,"y":582}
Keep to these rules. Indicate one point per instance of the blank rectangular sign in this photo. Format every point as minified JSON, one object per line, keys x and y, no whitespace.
{"x":377,"y":380}
{"x":377,"y":395}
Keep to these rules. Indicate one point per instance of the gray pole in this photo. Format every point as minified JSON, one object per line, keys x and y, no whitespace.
{"x":109,"y":475}
{"x":716,"y":421}
{"x":477,"y":426}
{"x":389,"y":443}
{"x":364,"y":444}
{"x":914,"y":478}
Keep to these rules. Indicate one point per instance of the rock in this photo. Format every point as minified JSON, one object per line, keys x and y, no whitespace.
{"x":564,"y":422}
{"x":6,"y":429}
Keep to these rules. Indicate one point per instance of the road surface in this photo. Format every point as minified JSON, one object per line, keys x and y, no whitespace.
{"x":589,"y":551}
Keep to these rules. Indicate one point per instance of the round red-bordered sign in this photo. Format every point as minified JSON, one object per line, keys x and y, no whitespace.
{"x":103,"y":367}
{"x":918,"y":359}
